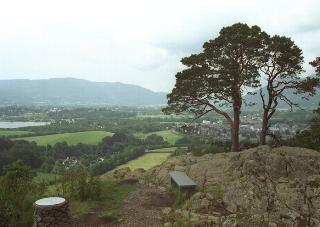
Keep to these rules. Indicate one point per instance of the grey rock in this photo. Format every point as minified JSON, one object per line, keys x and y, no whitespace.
{"x":256,"y":183}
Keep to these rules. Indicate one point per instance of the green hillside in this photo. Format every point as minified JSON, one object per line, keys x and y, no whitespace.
{"x":71,"y":91}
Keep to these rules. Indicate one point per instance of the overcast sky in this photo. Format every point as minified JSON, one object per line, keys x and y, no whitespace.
{"x":137,"y":42}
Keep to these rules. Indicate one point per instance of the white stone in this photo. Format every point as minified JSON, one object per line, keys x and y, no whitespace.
{"x":50,"y":201}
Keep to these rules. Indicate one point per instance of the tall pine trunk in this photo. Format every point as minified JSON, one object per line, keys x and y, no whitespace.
{"x":265,"y":116}
{"x":264,"y":128}
{"x":235,"y":147}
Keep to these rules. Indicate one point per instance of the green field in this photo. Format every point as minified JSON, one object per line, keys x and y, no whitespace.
{"x":89,"y":137}
{"x":146,"y":161}
{"x":12,"y":132}
{"x":167,"y":135}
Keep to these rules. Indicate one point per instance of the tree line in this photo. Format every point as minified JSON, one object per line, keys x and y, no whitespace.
{"x":108,"y":154}
{"x":309,"y":138}
{"x":240,"y":60}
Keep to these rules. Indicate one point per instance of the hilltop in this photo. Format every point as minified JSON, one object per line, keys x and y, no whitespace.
{"x":70,"y":91}
{"x":256,"y":187}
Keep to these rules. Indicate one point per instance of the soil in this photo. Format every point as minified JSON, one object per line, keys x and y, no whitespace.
{"x":142,"y":208}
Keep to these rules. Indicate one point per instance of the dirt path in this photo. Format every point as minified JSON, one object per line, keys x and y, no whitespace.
{"x":143,"y":207}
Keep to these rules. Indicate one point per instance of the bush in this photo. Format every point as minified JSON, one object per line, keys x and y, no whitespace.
{"x":155,"y":139}
{"x":308,"y":139}
{"x":179,"y":151}
{"x":78,"y":184}
{"x":17,"y":194}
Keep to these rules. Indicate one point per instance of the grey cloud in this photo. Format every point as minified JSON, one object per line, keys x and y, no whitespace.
{"x":141,"y":43}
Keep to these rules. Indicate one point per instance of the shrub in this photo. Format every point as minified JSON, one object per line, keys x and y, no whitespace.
{"x":154,"y":139}
{"x":17,"y":194}
{"x":179,"y":151}
{"x":76,"y":183}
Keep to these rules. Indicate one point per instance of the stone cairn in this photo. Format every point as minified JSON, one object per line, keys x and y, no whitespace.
{"x":51,"y":211}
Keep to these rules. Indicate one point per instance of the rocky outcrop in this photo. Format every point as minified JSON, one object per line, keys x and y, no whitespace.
{"x":125,"y":175}
{"x":256,"y":187}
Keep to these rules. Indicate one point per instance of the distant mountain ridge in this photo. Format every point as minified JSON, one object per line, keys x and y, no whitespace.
{"x":70,"y":91}
{"x":313,"y":101}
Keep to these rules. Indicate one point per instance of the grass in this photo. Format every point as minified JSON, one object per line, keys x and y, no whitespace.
{"x":217,"y":192}
{"x":166,"y":149}
{"x":167,"y":135}
{"x":111,"y":200}
{"x":88,"y":137}
{"x":113,"y":196}
{"x":47,"y":178}
{"x":183,"y":223}
{"x":12,"y":132}
{"x":146,"y":161}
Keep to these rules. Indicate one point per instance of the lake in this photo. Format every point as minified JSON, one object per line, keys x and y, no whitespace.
{"x":20,"y":124}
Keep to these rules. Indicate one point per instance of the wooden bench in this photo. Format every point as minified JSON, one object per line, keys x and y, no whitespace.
{"x":184,"y":183}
